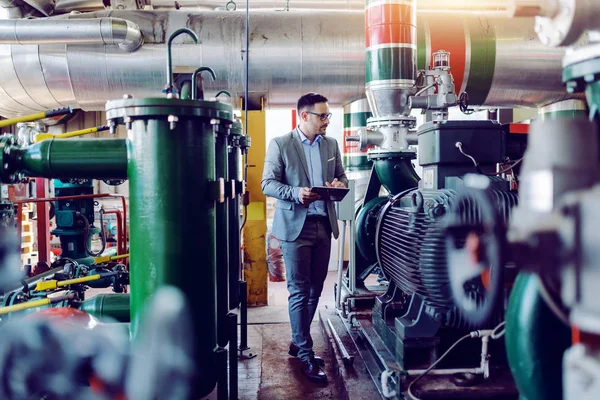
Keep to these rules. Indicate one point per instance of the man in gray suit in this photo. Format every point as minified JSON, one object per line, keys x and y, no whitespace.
{"x":303,"y":221}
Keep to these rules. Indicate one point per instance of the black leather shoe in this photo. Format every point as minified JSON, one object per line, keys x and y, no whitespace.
{"x":313,"y":371}
{"x":293,"y":351}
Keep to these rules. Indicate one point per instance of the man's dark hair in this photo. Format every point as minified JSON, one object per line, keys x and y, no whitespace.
{"x":309,"y":100}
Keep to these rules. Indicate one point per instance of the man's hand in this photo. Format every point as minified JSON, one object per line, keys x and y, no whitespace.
{"x":335,"y":184}
{"x":307,"y":197}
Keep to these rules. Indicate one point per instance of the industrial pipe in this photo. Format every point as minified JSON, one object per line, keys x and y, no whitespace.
{"x":499,"y":61}
{"x":43,"y":136}
{"x":90,"y":158}
{"x":66,"y":6}
{"x":391,"y":48}
{"x":105,"y":31}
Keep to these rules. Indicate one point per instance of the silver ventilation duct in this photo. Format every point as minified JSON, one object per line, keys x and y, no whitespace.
{"x":66,"y":6}
{"x":290,"y":54}
{"x":104,"y":31}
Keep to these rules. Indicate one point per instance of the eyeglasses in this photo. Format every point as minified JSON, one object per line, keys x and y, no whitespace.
{"x":324,"y":117}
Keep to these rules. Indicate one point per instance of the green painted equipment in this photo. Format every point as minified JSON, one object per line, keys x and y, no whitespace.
{"x":75,"y":238}
{"x":108,"y":307}
{"x":63,"y":159}
{"x":173,"y":194}
{"x":535,"y":341}
{"x":222,"y":230}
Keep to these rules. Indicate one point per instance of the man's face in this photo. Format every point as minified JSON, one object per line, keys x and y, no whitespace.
{"x":314,"y":121}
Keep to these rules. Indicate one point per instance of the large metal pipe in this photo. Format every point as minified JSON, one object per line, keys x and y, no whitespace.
{"x":497,"y":61}
{"x":105,"y":31}
{"x":292,"y":53}
{"x":66,"y":6}
{"x":391,"y":55}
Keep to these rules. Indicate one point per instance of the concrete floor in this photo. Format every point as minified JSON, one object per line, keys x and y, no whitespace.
{"x":273,"y":374}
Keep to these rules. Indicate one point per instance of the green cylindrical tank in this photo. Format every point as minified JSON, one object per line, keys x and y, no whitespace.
{"x":222,"y":231}
{"x":235,"y":173}
{"x":535,"y":341}
{"x":108,"y":307}
{"x":173,"y":193}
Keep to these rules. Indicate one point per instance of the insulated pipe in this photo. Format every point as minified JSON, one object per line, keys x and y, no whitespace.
{"x":291,"y":53}
{"x":106,"y":31}
{"x":391,"y":49}
{"x":499,"y":62}
{"x":66,"y":6}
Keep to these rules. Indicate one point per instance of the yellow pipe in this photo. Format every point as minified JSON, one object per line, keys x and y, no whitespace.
{"x":43,"y":136}
{"x":105,"y":259}
{"x":24,"y":306}
{"x":54,"y":284}
{"x":32,"y":117}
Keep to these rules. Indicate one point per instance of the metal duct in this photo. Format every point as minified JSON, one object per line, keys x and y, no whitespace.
{"x":66,"y":6}
{"x":291,"y":54}
{"x":117,"y":31}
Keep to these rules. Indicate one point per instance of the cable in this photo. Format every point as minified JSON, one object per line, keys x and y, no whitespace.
{"x":425,"y":88}
{"x":497,"y":335}
{"x":475,"y":334}
{"x":432,"y":366}
{"x":459,"y":146}
{"x":88,"y":233}
{"x":478,"y":168}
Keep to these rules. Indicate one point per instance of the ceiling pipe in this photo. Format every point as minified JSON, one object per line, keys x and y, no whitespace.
{"x":106,"y":31}
{"x":66,"y":6}
{"x":499,"y":62}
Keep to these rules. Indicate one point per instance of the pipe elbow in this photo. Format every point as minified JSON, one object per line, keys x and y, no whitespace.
{"x":124,"y":33}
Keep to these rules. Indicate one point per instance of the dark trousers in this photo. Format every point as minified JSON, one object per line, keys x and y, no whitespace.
{"x":306,"y":262}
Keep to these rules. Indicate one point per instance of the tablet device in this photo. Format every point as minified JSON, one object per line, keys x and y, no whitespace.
{"x":330,"y":193}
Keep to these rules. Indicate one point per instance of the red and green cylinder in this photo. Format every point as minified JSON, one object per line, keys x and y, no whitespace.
{"x":391,"y":48}
{"x":492,"y":59}
{"x":355,"y":119}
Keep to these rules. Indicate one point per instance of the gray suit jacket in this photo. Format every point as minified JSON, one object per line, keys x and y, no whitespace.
{"x":286,"y":169}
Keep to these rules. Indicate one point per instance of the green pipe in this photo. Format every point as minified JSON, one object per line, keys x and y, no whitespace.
{"x":535,"y":341}
{"x":222,"y":225}
{"x":396,"y":173}
{"x":86,"y":158}
{"x":186,"y":89}
{"x":108,"y":307}
{"x":173,"y":192}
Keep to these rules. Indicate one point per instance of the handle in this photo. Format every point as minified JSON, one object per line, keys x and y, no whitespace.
{"x":195,"y":83}
{"x":169,"y":87}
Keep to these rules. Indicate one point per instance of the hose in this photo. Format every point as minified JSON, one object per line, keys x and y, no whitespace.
{"x":88,"y":234}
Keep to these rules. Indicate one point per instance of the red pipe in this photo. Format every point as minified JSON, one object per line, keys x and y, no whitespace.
{"x":120,"y":239}
{"x":43,"y":225}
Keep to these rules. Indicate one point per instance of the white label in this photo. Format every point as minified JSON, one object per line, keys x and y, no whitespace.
{"x":71,"y":247}
{"x":3,"y":192}
{"x":428,"y":176}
